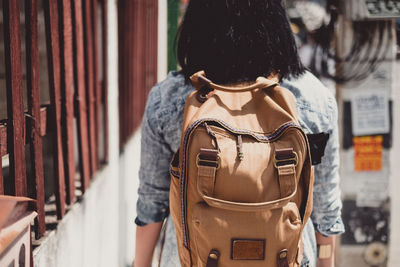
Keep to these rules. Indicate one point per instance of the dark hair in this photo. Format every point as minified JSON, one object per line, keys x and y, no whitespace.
{"x":237,"y":40}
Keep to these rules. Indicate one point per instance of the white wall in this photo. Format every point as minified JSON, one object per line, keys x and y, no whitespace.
{"x":129,"y":166}
{"x":394,"y":249}
{"x":162,"y":59}
{"x":87,"y":235}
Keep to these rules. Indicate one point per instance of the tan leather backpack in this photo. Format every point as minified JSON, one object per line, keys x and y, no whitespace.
{"x":241,"y":183}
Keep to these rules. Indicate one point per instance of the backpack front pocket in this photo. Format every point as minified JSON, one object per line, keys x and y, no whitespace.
{"x":245,"y":238}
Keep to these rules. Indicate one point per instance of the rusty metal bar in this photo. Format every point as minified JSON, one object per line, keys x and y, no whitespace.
{"x":3,"y":140}
{"x":97,"y":84}
{"x":32,"y":82}
{"x":15,"y":97}
{"x":139,"y":62}
{"x":3,"y":151}
{"x":154,"y":48}
{"x":105,"y":79}
{"x":127,"y":90}
{"x":150,"y":62}
{"x":129,"y":66}
{"x":67,"y":89}
{"x":131,"y":79}
{"x":121,"y":85}
{"x":81,"y":107}
{"x":120,"y":8}
{"x":89,"y":71}
{"x":124,"y":59}
{"x":126,"y":63}
{"x":1,"y":176}
{"x":53,"y":48}
{"x":150,"y":76}
{"x":147,"y":64}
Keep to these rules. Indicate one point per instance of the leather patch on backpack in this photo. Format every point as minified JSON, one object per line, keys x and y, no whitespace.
{"x":248,"y":249}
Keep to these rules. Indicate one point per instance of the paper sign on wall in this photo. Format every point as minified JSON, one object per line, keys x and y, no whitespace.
{"x":370,"y":112}
{"x":368,"y":153}
{"x":372,"y":191}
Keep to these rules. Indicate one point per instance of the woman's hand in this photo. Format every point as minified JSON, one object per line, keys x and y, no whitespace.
{"x":326,"y":262}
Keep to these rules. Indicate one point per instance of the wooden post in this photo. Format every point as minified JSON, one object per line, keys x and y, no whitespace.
{"x":1,"y":176}
{"x":53,"y":48}
{"x":3,"y":151}
{"x":89,"y":71}
{"x":138,"y":62}
{"x":81,"y":106}
{"x":67,"y":89}
{"x":15,"y":97}
{"x":96,"y":82}
{"x":125,"y":46}
{"x":35,"y":140}
{"x":105,"y":78}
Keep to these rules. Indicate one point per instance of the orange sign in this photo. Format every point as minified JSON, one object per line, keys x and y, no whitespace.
{"x":367,"y":153}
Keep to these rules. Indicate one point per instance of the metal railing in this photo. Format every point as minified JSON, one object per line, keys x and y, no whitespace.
{"x":76,"y":114}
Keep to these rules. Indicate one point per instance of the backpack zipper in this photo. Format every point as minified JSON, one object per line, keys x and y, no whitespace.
{"x":211,"y":133}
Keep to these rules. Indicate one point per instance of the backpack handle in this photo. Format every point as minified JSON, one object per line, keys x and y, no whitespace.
{"x":199,"y":79}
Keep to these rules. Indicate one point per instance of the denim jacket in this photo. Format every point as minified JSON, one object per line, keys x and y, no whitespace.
{"x":161,"y":132}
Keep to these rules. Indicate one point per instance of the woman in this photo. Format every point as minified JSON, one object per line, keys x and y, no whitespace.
{"x":235,"y":41}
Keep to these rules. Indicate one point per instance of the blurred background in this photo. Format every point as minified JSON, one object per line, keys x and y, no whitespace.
{"x":74,"y":78}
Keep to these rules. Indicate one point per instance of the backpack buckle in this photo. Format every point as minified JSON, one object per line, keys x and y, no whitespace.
{"x":283,"y":157}
{"x":209,"y":163}
{"x":209,"y":158}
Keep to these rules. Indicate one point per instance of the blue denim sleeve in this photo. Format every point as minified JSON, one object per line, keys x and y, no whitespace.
{"x":326,"y":214}
{"x":153,"y":202}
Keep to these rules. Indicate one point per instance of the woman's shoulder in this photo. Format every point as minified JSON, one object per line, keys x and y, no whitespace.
{"x":168,"y":96}
{"x":316,"y":104}
{"x":174,"y":86}
{"x":165,"y":107}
